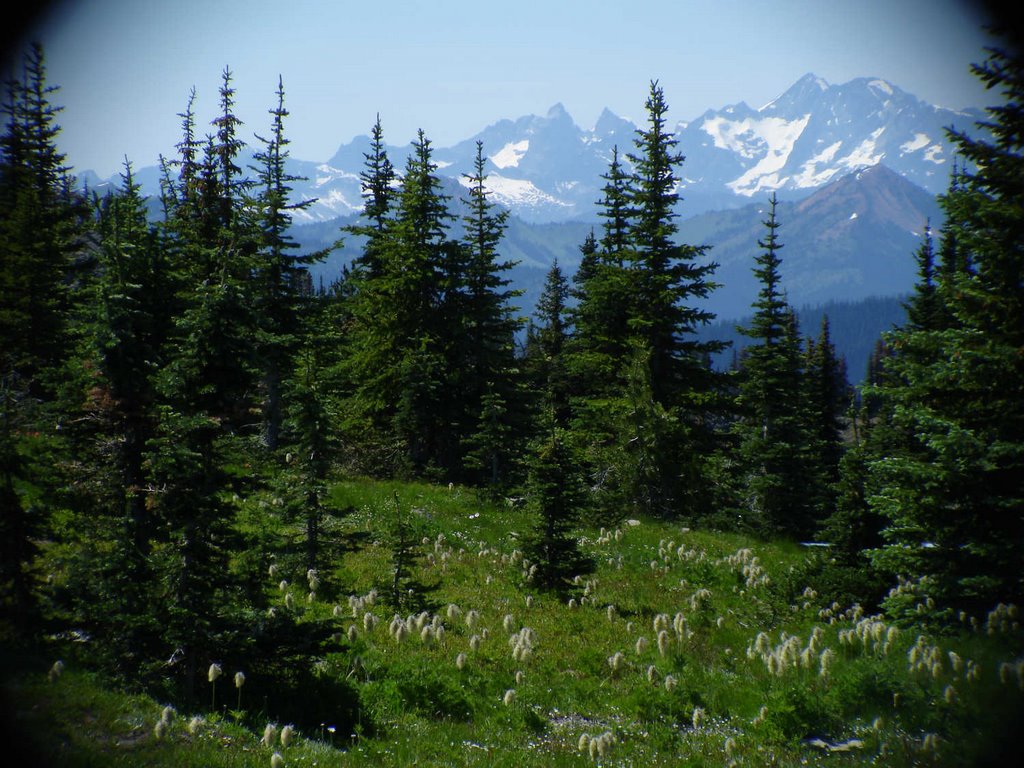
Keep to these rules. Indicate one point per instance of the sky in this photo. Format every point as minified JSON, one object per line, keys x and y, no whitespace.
{"x":125,"y":68}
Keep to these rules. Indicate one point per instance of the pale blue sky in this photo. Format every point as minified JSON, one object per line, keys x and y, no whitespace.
{"x":452,"y":67}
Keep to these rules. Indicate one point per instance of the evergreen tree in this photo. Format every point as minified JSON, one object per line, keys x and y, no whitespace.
{"x":640,"y":293}
{"x":207,"y":389}
{"x":309,"y":427}
{"x":125,"y":347}
{"x":771,"y":435}
{"x":279,"y":272}
{"x":399,"y":328}
{"x":377,"y":180}
{"x":668,"y":278}
{"x":556,"y":497}
{"x":485,"y":327}
{"x":41,"y":221}
{"x":600,"y":317}
{"x":825,"y":400}
{"x":952,"y":493}
{"x":546,"y":341}
{"x":491,"y":447}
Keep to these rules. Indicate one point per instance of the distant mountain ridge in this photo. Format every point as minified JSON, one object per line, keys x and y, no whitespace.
{"x":545,"y":168}
{"x":856,"y":168}
{"x":852,"y":239}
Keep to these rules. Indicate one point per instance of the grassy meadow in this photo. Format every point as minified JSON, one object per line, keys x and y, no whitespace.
{"x":683,"y":647}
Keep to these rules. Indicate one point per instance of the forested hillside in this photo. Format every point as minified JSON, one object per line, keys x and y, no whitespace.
{"x":856,"y":329}
{"x":203,"y":451}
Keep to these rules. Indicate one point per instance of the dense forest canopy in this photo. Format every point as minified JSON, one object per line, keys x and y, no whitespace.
{"x":169,"y":386}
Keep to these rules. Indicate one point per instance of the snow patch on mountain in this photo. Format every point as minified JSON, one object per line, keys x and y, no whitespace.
{"x":510,"y":155}
{"x":810,"y":176}
{"x":326,"y":206}
{"x":881,"y":85}
{"x":920,"y":141}
{"x":517,"y":192}
{"x":772,"y":137}
{"x":750,"y":136}
{"x":326,"y":175}
{"x":866,"y":153}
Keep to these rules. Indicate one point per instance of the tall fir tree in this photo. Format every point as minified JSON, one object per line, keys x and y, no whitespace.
{"x":953,"y":492}
{"x":127,"y":325}
{"x":208,"y":388}
{"x":399,"y":326}
{"x":41,"y":225}
{"x":279,"y":272}
{"x":377,"y":180}
{"x":485,"y":327}
{"x":642,"y":291}
{"x":544,"y":355}
{"x":770,"y":425}
{"x":825,"y":401}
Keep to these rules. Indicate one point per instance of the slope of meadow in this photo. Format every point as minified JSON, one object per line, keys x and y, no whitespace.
{"x":684,"y":647}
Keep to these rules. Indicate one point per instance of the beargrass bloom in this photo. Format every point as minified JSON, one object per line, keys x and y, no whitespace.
{"x":276,"y":761}
{"x":212,"y":674}
{"x":269,"y":734}
{"x":287,"y":733}
{"x":616,"y":660}
{"x":239,"y":682}
{"x":509,"y":697}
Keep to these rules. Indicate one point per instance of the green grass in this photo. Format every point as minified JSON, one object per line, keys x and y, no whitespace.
{"x":419,"y":708}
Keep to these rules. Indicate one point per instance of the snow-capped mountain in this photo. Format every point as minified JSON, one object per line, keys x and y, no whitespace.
{"x":547,"y":168}
{"x":816,"y":132}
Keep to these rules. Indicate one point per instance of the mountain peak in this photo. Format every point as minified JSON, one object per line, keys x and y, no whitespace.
{"x":557,"y":112}
{"x":611,"y":124}
{"x":808,"y":87}
{"x":812,"y":79}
